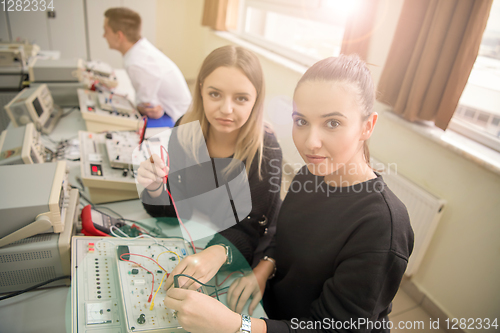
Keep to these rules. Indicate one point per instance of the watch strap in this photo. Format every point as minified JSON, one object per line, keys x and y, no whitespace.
{"x":246,"y":324}
{"x":229,"y":253}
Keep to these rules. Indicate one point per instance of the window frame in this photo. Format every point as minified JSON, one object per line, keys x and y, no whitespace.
{"x":469,"y":129}
{"x":295,"y":8}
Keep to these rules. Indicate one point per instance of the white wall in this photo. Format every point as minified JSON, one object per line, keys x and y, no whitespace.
{"x":180,"y":34}
{"x":32,"y":26}
{"x":67,"y":29}
{"x":65,"y":32}
{"x":461,"y":270}
{"x":4,"y":32}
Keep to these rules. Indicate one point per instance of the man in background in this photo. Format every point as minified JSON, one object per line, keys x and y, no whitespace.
{"x":161,"y":91}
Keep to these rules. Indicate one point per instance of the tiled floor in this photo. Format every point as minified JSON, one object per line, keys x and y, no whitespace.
{"x":408,"y":313}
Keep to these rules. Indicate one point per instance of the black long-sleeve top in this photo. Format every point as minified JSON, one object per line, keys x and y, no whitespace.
{"x":340,"y":253}
{"x":258,"y":226}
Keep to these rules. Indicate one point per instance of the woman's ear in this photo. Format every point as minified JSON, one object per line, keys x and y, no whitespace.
{"x":369,"y":125}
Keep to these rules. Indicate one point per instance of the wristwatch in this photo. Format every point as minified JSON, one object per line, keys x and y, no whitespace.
{"x":229,"y":253}
{"x":246,"y":324}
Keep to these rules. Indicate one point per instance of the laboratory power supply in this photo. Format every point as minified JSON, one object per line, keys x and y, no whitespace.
{"x":34,"y":199}
{"x":43,"y":257}
{"x":21,"y":145}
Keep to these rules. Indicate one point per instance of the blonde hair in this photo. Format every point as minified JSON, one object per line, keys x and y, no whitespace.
{"x":125,"y":20}
{"x":250,"y":137}
{"x":348,"y":70}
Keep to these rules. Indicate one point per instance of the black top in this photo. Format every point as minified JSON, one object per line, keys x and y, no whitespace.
{"x":340,"y":254}
{"x":196,"y":179}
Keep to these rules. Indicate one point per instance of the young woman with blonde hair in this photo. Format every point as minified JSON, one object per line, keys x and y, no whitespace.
{"x":228,"y":103}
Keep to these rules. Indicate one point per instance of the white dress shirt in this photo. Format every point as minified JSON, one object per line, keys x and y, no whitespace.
{"x":157,"y":79}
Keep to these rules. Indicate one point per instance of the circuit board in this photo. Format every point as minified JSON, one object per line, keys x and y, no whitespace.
{"x":112,"y":284}
{"x":95,"y":161}
{"x":120,"y":147}
{"x":105,"y":112}
{"x":115,"y":103}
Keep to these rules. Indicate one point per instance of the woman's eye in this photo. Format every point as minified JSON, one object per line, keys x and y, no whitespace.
{"x":241,"y":99}
{"x":214,"y":94}
{"x":300,"y":122}
{"x":332,"y":124}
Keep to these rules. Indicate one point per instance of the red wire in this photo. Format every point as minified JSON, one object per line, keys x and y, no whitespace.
{"x":175,"y":207}
{"x":141,"y":229}
{"x":219,"y":294}
{"x":141,"y":133}
{"x":227,"y":277}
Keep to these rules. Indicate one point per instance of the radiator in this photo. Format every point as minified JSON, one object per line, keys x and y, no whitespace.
{"x":424,"y":208}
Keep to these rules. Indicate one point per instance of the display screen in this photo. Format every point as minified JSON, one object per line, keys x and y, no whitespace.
{"x":38,"y":107}
{"x":61,"y":198}
{"x":33,"y":156}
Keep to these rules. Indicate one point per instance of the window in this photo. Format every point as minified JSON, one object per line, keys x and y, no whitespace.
{"x":302,"y":30}
{"x":478,"y":113}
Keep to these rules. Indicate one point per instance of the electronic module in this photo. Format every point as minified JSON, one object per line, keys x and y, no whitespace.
{"x":108,"y":161}
{"x":116,"y":285}
{"x":105,"y":182}
{"x":21,"y":145}
{"x":32,"y":260}
{"x":35,"y":105}
{"x":40,"y":209}
{"x":108,"y":112}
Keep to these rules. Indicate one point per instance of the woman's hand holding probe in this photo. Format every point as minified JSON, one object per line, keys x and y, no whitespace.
{"x":151,"y":175}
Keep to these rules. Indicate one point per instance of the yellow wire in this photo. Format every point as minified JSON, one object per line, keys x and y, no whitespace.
{"x":153,"y":301}
{"x":179,"y":258}
{"x":162,"y":278}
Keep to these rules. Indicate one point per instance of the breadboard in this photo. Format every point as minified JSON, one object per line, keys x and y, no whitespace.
{"x":120,"y":147}
{"x":108,"y":297}
{"x":115,"y":103}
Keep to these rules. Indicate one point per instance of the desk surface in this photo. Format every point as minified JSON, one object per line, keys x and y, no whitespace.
{"x":49,"y":310}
